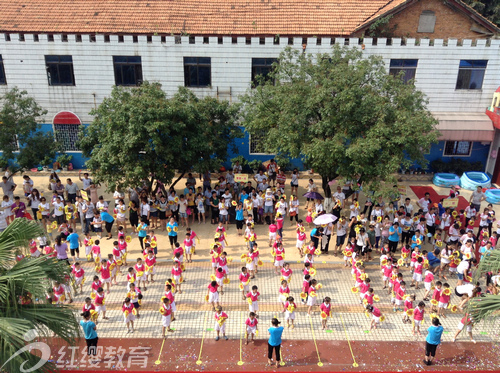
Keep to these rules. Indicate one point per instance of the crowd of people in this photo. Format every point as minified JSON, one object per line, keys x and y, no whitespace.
{"x":419,"y":239}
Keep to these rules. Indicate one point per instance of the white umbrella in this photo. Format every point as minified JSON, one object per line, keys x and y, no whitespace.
{"x":325,"y":219}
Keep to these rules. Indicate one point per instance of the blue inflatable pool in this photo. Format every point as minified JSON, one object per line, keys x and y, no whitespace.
{"x":493,"y":196}
{"x":446,"y":180}
{"x":471,"y":180}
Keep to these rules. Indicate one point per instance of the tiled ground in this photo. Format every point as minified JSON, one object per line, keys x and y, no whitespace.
{"x":194,"y":315}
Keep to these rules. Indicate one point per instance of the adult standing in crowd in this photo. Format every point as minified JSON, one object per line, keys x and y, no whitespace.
{"x":86,"y":180}
{"x":59,"y":189}
{"x":172,"y":228}
{"x":61,"y":250}
{"x":18,"y":208}
{"x":8,"y":187}
{"x":394,"y":236}
{"x":87,"y":211}
{"x":477,"y":197}
{"x":71,"y":190}
{"x":133,"y":217}
{"x":34,"y":202}
{"x":316,"y":235}
{"x":90,"y":333}
{"x":274,"y":342}
{"x":133,"y":195}
{"x":27,"y":185}
{"x":338,"y":205}
{"x":206,"y":180}
{"x":109,"y":220}
{"x":433,"y":340}
{"x":74,"y":244}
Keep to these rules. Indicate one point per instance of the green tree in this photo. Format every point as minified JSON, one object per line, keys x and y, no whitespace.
{"x":342,"y":114}
{"x":20,"y":121}
{"x":140,"y":134}
{"x":23,"y":287}
{"x":487,"y":8}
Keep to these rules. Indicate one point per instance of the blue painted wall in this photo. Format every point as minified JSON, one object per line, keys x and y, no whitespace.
{"x":78,"y":161}
{"x":243,"y":149}
{"x":479,"y":153}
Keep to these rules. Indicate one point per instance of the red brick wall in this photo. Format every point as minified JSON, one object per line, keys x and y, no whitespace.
{"x":449,"y":22}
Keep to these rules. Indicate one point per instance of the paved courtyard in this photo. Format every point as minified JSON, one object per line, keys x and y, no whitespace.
{"x":194,"y":316}
{"x":347,"y":331}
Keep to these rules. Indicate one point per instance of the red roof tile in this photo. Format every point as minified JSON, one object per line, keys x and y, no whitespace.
{"x":193,"y":17}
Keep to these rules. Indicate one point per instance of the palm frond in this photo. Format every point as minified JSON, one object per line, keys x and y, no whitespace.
{"x":14,"y":331}
{"x":490,"y":263}
{"x":29,"y":277}
{"x":486,"y":307}
{"x":483,"y":308}
{"x":16,"y":236}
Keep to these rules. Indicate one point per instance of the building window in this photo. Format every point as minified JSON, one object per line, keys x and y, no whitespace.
{"x":197,"y":72}
{"x":59,"y":70}
{"x":66,"y":129}
{"x":261,"y":67}
{"x":471,"y":74}
{"x":407,"y":67}
{"x":3,"y":80}
{"x":256,"y":143}
{"x":427,"y":21}
{"x":457,"y":148}
{"x":128,"y":70}
{"x":67,"y":136}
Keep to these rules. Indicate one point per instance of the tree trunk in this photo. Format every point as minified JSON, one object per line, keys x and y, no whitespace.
{"x":326,"y":187}
{"x":327,"y":203}
{"x":176,"y":181}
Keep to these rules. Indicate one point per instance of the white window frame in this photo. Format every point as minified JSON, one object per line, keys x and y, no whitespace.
{"x":458,"y":155}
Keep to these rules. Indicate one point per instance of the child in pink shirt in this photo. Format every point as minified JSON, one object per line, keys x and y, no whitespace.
{"x":122,"y":246}
{"x":325,"y":308}
{"x":177,"y":274}
{"x":279,"y":224}
{"x":418,"y":316}
{"x":408,"y":306}
{"x":284,"y":292}
{"x":189,"y":247}
{"x":251,"y":324}
{"x":428,"y":280}
{"x":273,"y":229}
{"x":96,"y":250}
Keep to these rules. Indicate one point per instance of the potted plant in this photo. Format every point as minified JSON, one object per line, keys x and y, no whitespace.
{"x":255,"y":165}
{"x":64,"y":160}
{"x":46,"y":162}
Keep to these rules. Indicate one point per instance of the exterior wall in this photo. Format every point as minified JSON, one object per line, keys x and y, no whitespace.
{"x":494,"y":154}
{"x":243,"y":148}
{"x":448,"y":22}
{"x":479,"y":153}
{"x":24,"y":64}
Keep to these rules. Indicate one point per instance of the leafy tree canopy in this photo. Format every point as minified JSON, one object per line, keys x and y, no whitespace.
{"x":140,"y":134}
{"x":20,"y":119}
{"x":343,"y":114}
{"x":488,"y":8}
